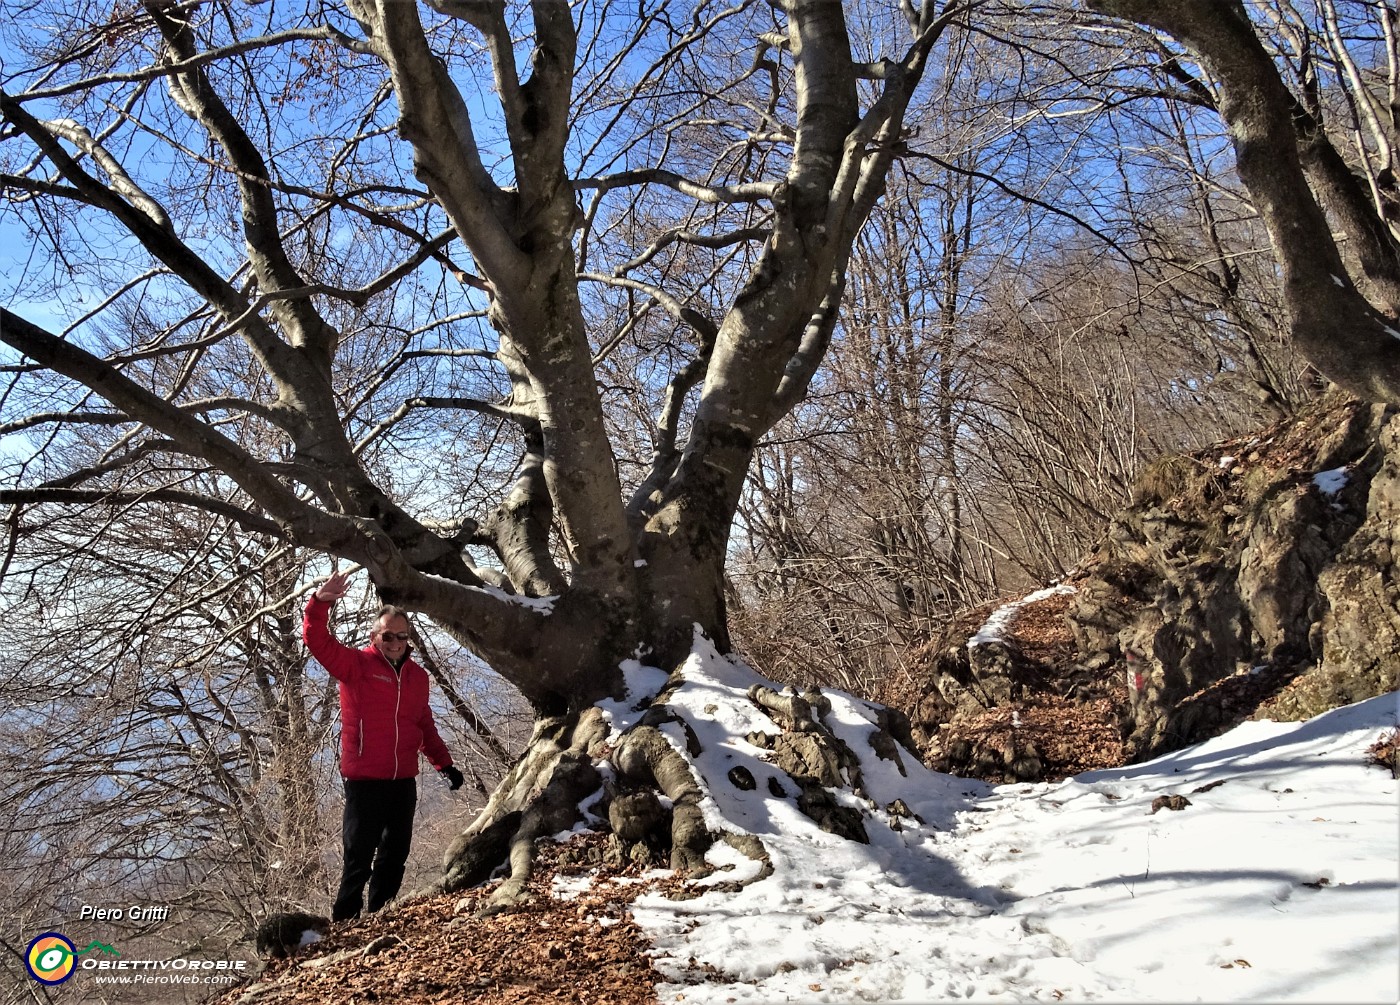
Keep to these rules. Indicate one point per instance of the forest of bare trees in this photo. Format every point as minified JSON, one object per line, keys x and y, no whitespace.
{"x":995,"y":394}
{"x":580,"y":326}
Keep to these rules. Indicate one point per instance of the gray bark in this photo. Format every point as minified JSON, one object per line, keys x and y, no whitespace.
{"x":1352,"y":341}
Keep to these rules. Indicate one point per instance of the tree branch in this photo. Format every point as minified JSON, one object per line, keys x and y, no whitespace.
{"x":193,"y":62}
{"x":748,"y":192}
{"x":135,"y":497}
{"x":192,"y":436}
{"x":1336,"y":328}
{"x":434,"y":118}
{"x":689,"y":316}
{"x":684,"y":236}
{"x":178,"y":257}
{"x":518,"y":529}
{"x":194,"y":93}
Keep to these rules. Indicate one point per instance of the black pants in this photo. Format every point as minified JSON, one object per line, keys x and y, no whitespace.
{"x":377,"y":831}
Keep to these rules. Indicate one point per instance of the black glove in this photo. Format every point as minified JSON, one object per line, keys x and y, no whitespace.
{"x":453,"y":776}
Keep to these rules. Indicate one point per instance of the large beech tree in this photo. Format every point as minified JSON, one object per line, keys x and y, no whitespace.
{"x":496,"y":301}
{"x":323,"y":248}
{"x":828,"y":134}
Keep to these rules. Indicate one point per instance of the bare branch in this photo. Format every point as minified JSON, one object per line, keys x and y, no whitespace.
{"x":680,"y":234}
{"x":135,"y":497}
{"x":703,"y":326}
{"x":122,"y":184}
{"x":193,"y":62}
{"x":749,"y":192}
{"x":193,"y":436}
{"x":520,"y":416}
{"x":193,"y":92}
{"x":434,"y":118}
{"x":176,"y":255}
{"x":45,"y":418}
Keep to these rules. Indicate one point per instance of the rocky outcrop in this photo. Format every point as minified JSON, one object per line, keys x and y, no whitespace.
{"x":1358,"y":635}
{"x":1267,"y":557}
{"x":1257,"y":577}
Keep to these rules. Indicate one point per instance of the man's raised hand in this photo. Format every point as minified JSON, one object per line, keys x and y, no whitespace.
{"x":334,"y":588}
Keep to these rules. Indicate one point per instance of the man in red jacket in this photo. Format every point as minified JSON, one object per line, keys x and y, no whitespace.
{"x":384,"y":723}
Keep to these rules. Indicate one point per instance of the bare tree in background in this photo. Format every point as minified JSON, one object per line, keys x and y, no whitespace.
{"x":179,"y":740}
{"x":1021,"y":340}
{"x":858,"y":543}
{"x":165,"y":731}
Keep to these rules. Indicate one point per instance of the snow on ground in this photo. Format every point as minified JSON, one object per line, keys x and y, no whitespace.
{"x":994,"y":630}
{"x":1277,"y":882}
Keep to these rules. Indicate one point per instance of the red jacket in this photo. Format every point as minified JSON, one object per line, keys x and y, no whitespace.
{"x":384,"y":716}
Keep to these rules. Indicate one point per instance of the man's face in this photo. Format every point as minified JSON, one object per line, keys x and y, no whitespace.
{"x":388,"y":631}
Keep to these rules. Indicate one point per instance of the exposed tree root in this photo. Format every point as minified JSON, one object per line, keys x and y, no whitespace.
{"x":646,"y":755}
{"x":538,"y":798}
{"x":644,"y":784}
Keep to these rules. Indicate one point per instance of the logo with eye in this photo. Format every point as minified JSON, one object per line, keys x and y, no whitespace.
{"x":51,"y":958}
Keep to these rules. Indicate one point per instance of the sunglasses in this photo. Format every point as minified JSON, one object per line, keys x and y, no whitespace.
{"x":394,"y":636}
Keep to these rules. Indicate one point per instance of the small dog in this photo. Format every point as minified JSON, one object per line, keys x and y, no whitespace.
{"x":283,"y":934}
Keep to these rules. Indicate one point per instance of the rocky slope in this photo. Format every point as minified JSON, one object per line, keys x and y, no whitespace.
{"x":1253,"y":579}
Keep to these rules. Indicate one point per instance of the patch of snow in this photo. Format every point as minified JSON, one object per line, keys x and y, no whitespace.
{"x":545,"y":605}
{"x":994,"y":630}
{"x":580,"y":826}
{"x":570,"y":887}
{"x":1329,"y":483}
{"x":643,"y":684}
{"x":731,"y":866}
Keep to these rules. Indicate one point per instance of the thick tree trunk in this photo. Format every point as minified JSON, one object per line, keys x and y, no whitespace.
{"x":1353,"y":342}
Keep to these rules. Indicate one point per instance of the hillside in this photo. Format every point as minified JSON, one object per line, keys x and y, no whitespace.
{"x":1256,"y":867}
{"x":1232,"y":589}
{"x":1254,"y":579}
